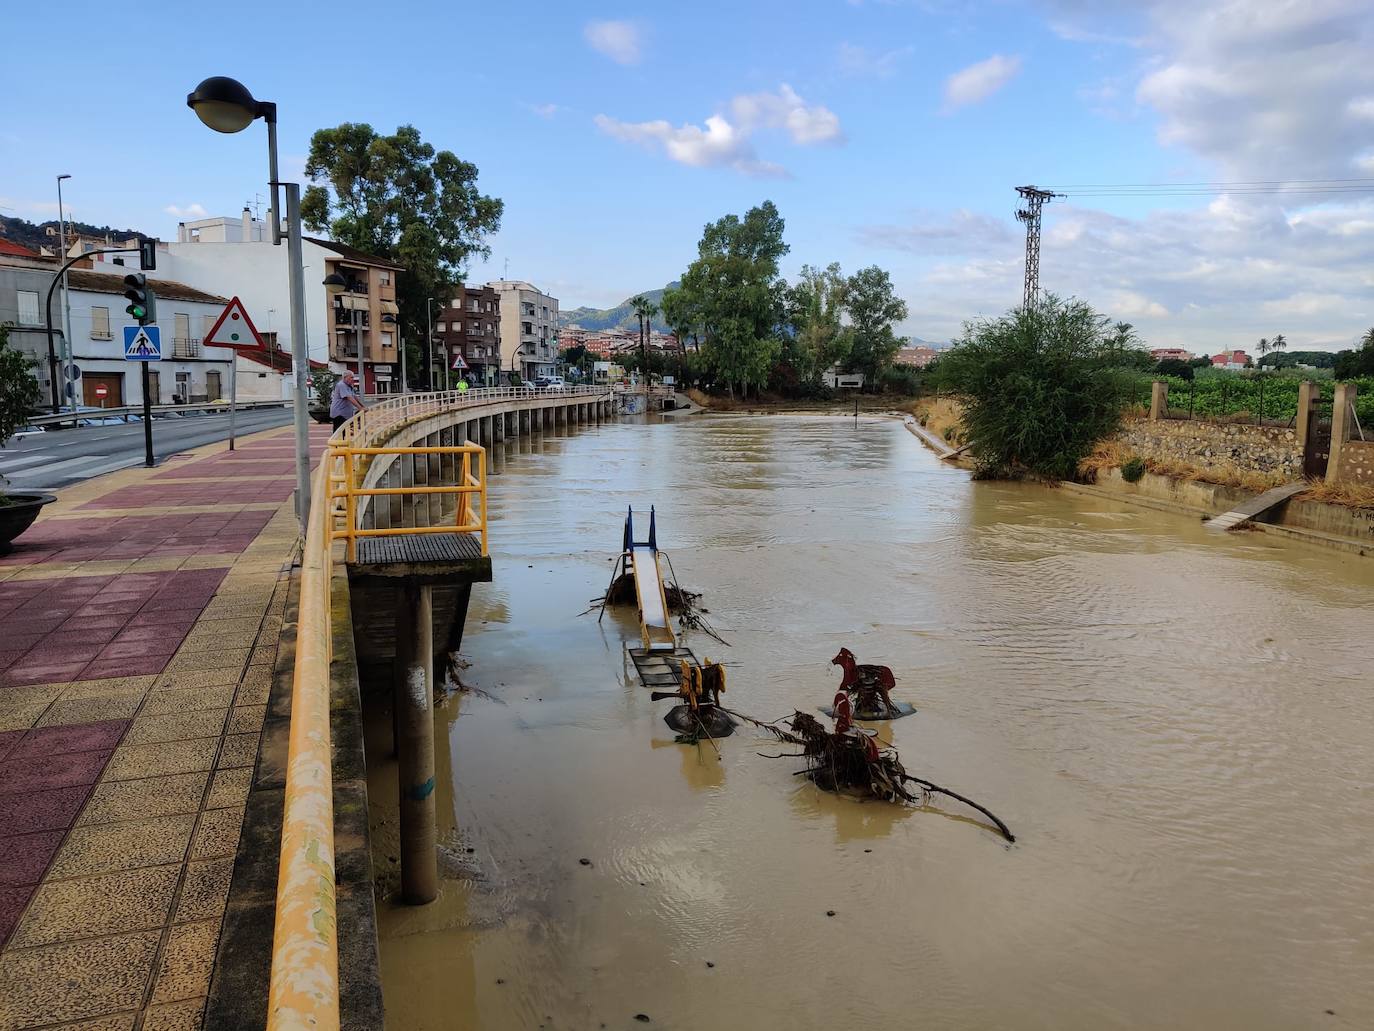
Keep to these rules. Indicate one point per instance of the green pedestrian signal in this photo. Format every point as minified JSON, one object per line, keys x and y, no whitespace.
{"x":142,"y":302}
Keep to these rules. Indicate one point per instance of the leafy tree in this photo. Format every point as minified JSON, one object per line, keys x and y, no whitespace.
{"x":322,"y":383}
{"x":1201,"y":363}
{"x":873,"y":308}
{"x":735,"y":297}
{"x":19,"y":390}
{"x":1175,"y":367}
{"x":398,"y":198}
{"x":1359,"y":362}
{"x":816,"y":339}
{"x":1042,"y":385}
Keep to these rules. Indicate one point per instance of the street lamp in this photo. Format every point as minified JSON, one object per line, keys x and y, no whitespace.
{"x":389,"y":319}
{"x":429,"y":344}
{"x":226,"y":105}
{"x":336,"y":285}
{"x":69,"y":351}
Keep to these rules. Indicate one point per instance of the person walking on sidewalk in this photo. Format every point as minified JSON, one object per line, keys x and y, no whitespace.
{"x":344,"y":401}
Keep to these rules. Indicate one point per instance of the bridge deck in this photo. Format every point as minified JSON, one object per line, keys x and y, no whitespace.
{"x":425,"y":558}
{"x":1257,"y":505}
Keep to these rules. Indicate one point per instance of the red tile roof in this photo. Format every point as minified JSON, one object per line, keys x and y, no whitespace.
{"x":16,"y":249}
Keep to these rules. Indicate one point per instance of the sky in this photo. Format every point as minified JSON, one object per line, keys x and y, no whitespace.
{"x":888,"y":132}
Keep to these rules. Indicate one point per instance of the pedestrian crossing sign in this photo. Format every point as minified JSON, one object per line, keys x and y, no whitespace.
{"x":142,"y":344}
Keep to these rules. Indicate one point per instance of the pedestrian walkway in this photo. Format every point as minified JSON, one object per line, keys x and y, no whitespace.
{"x":141,"y":617}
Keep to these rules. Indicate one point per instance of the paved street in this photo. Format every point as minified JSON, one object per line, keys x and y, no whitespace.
{"x":61,"y":457}
{"x":143,"y":612}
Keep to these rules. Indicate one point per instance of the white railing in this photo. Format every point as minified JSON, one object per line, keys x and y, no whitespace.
{"x":385,"y":411}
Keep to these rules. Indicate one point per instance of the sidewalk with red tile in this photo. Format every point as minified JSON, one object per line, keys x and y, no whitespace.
{"x":139,"y":623}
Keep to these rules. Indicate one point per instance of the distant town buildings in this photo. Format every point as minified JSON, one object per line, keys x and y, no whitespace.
{"x":1231,"y":360}
{"x":469,"y":327}
{"x":918,"y":357}
{"x":529,"y":328}
{"x":1176,"y":354}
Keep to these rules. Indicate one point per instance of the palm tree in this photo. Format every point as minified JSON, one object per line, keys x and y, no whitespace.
{"x":1265,"y":347}
{"x":646,"y":310}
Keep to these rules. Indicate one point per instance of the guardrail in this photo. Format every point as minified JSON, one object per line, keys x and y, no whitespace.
{"x":124,"y":411}
{"x":304,"y":989}
{"x":468,"y":517}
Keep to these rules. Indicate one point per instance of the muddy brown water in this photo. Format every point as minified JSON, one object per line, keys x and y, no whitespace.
{"x":1177,"y":726}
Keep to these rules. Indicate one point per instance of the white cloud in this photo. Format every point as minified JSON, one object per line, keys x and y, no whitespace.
{"x":621,"y":41}
{"x":785,"y":110}
{"x":719,"y":144}
{"x":724,"y":140}
{"x":190,"y":211}
{"x":1225,"y":275}
{"x":861,"y":62}
{"x":979,"y":81}
{"x":1267,"y":90}
{"x":543,"y":110}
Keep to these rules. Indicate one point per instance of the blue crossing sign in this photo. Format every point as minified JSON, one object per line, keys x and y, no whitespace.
{"x":142,"y":344}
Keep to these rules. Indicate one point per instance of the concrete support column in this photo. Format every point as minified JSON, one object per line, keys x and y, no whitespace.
{"x":1159,"y":400}
{"x":498,"y":423}
{"x":415,"y":731}
{"x":1307,"y":397}
{"x":1341,"y":408}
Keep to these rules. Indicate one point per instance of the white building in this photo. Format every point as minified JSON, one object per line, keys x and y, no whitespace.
{"x":188,"y":372}
{"x":529,"y":328}
{"x":237,"y":257}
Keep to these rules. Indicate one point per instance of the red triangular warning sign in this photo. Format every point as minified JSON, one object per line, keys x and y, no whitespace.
{"x":233,"y":328}
{"x":458,"y":362}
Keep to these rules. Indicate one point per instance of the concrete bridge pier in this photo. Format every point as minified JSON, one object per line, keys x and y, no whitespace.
{"x":414,"y":708}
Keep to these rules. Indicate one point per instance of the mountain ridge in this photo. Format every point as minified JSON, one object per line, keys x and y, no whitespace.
{"x":622,"y":316}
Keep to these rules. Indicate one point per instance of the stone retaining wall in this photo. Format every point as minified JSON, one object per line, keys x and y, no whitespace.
{"x":1221,"y":446}
{"x":1357,"y":462}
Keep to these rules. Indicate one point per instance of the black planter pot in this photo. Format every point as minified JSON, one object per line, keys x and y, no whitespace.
{"x":17,"y":513}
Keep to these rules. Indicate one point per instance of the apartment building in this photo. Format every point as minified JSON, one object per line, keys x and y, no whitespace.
{"x":469,"y":326}
{"x":188,"y":372}
{"x":529,"y":328}
{"x":236,"y":257}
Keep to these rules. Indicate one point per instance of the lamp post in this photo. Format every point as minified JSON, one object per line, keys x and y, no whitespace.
{"x":68,"y":351}
{"x":225,"y":105}
{"x":429,"y":342}
{"x":389,"y":319}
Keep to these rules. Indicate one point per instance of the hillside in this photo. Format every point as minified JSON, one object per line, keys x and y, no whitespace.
{"x":27,"y":234}
{"x":622,"y":316}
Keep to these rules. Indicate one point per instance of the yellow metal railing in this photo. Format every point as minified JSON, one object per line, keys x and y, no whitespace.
{"x":305,"y":950}
{"x":470,"y":509}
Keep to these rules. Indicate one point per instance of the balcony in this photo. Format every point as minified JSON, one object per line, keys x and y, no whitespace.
{"x":186,"y":347}
{"x":343,"y":317}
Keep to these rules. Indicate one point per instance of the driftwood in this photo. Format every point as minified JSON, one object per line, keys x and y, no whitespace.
{"x":853,"y":761}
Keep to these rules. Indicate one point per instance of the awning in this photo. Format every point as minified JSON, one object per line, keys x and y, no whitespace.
{"x":389,"y":308}
{"x":352,"y":303}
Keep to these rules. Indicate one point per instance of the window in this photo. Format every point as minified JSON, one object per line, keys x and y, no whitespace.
{"x":386,"y":340}
{"x":488,"y":327}
{"x":28,"y":308}
{"x":383,"y":277}
{"x":472,"y":304}
{"x":207,"y":323}
{"x":527,"y":328}
{"x":442,"y":327}
{"x":475,"y":326}
{"x":100,"y":323}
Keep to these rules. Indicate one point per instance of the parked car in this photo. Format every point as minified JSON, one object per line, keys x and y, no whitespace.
{"x":550,"y":383}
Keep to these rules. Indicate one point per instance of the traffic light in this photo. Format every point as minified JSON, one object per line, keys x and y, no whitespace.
{"x":142,"y":302}
{"x":147,"y":253}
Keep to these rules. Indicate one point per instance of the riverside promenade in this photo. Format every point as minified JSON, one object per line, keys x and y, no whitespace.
{"x":139,"y":625}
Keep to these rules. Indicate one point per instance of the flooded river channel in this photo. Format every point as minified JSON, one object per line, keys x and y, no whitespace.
{"x":1179,"y":728}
